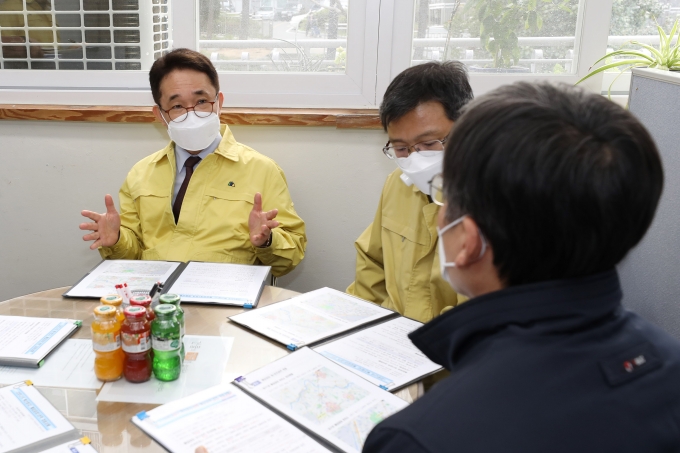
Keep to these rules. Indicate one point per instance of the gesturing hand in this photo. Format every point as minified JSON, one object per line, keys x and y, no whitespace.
{"x":106,"y":227}
{"x":261,"y":223}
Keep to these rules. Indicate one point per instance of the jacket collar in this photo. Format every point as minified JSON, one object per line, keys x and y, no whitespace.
{"x":228,"y":147}
{"x":558,"y":306}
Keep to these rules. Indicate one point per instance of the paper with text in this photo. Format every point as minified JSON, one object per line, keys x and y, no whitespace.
{"x":382,"y":354}
{"x":223,"y":419}
{"x":220,"y":283}
{"x":311,"y":317}
{"x":70,"y":366}
{"x":334,"y":403}
{"x":203,"y":367}
{"x":26,"y":339}
{"x":26,"y":417}
{"x":137,"y":274}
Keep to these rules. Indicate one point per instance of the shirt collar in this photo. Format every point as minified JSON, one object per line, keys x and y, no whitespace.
{"x":181,"y":155}
{"x":552,"y":307}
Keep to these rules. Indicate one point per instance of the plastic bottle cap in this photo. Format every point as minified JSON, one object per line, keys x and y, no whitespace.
{"x":135,"y":312}
{"x":165,"y":309}
{"x":112,"y":299}
{"x":169,"y":299}
{"x":140,"y":300}
{"x":106,"y":311}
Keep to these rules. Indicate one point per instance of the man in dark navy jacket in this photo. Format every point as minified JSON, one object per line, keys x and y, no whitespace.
{"x":545,"y":190}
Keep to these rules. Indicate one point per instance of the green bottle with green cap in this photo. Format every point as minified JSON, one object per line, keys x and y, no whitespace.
{"x":165,"y":342}
{"x":174,"y":299}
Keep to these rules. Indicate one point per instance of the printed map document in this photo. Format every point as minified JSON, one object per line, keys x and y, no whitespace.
{"x":26,"y":341}
{"x":203,"y":367}
{"x":311,"y":317}
{"x":28,"y":422}
{"x":71,"y":365}
{"x":220,"y":283}
{"x":223,"y":419}
{"x":322,"y":397}
{"x":138,"y":274}
{"x":382,"y":354}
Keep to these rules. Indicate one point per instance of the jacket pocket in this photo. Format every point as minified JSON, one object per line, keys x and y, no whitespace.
{"x":403,"y":230}
{"x":155,"y":214}
{"x":224,"y":222}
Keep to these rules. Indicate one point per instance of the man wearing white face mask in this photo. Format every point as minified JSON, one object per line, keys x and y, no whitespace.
{"x":397,"y":260}
{"x":204,"y":197}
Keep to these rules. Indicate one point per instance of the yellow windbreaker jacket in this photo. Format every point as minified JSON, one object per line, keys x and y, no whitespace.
{"x":214,"y":221}
{"x":397,"y":259}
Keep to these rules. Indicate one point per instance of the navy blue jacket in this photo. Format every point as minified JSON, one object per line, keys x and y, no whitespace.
{"x":551,"y":367}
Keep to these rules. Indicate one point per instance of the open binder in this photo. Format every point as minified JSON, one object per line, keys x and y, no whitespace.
{"x":29,"y":423}
{"x":195,"y":282}
{"x":358,"y":335}
{"x":28,"y":341}
{"x":312,"y":317}
{"x":303,"y":402}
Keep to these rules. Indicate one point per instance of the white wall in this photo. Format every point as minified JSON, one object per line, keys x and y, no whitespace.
{"x":50,"y":171}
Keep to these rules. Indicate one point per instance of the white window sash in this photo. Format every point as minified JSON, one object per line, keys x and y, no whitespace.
{"x":354,"y":89}
{"x":379,"y":46}
{"x":590,"y":43}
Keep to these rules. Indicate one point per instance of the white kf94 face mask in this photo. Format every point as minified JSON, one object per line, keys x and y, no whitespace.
{"x":443,"y":264}
{"x":195,"y":133}
{"x":419,"y":168}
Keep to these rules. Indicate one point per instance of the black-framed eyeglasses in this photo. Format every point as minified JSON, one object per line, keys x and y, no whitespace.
{"x":437,"y":189}
{"x":202,"y":109}
{"x":397,"y":151}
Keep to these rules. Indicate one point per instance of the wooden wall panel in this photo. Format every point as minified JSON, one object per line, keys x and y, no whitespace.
{"x":339,"y":118}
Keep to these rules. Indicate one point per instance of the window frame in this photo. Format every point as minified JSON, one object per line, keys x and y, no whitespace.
{"x":375,"y":55}
{"x":354,"y":89}
{"x":592,"y":13}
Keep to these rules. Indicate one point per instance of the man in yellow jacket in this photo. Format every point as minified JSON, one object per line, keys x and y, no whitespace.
{"x":397,"y":259}
{"x":204,"y":197}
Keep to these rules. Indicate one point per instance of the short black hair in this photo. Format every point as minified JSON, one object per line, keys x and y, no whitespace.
{"x":180,"y":59}
{"x":446,"y":83}
{"x":562,"y":182}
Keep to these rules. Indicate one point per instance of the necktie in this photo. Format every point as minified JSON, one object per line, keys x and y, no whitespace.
{"x":189,"y":166}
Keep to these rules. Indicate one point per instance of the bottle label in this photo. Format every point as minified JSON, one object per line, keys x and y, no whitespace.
{"x":136,"y":342}
{"x":106,"y":342}
{"x":165,"y":344}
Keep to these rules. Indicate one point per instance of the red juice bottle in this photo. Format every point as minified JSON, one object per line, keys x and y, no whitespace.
{"x":144,"y":301}
{"x":136,"y":339}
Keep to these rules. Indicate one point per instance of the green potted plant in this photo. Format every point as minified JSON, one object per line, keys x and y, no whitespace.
{"x":500,"y":24}
{"x":666,"y":57}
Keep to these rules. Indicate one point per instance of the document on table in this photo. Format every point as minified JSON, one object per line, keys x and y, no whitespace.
{"x":71,"y":365}
{"x":311,"y":317}
{"x":323,"y":397}
{"x":26,"y":341}
{"x":223,"y":419}
{"x":221,"y":283}
{"x":28,"y":421}
{"x":138,"y":274}
{"x":77,"y":446}
{"x":204,"y":363}
{"x":382,"y":354}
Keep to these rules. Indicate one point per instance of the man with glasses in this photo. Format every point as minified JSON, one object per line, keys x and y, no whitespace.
{"x":397,"y":259}
{"x":204,"y":197}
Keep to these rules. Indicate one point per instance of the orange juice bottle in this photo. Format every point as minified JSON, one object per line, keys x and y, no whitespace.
{"x":109,"y":357}
{"x":116,"y":302}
